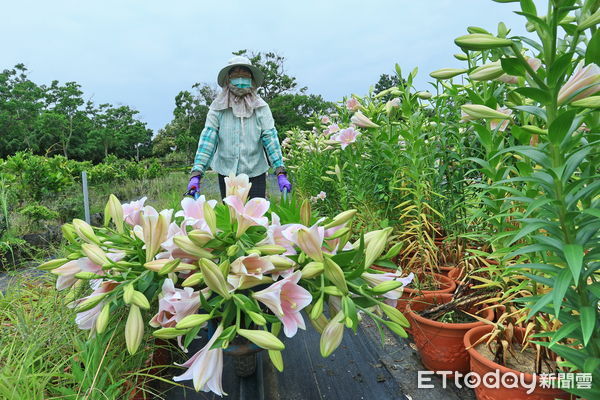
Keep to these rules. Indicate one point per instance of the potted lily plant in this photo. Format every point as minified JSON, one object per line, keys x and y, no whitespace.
{"x":239,"y":266}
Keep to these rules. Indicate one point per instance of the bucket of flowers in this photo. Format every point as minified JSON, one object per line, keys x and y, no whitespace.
{"x":245,"y":269}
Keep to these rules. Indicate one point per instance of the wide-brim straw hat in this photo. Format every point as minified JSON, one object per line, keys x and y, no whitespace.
{"x":240,"y":61}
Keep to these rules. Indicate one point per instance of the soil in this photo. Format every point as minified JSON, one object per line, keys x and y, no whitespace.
{"x":456,"y":317}
{"x":522,"y":361}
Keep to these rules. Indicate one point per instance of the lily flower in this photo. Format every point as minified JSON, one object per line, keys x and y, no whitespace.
{"x":346,"y":137}
{"x":205,"y":367}
{"x":352,"y":104}
{"x":276,"y":236}
{"x":193,"y":211}
{"x":333,"y":128}
{"x":325,"y":119}
{"x":584,"y":76}
{"x":310,"y":240}
{"x":154,"y":229}
{"x":250,"y":214}
{"x":494,"y":123}
{"x":360,"y":120}
{"x":86,"y":320}
{"x":252,"y":266}
{"x":285,"y":298}
{"x":66,"y":272}
{"x":533,"y":62}
{"x":174,"y":305}
{"x":132,"y":211}
{"x":238,"y":186}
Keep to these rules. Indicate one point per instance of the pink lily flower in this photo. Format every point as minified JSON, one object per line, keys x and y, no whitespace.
{"x":250,"y":214}
{"x":132,"y":211}
{"x":352,"y":104}
{"x":205,"y":367}
{"x":285,"y":298}
{"x":333,"y":128}
{"x":333,"y":243}
{"x":503,"y":123}
{"x":66,"y":272}
{"x":360,"y":120}
{"x":193,"y":211}
{"x":174,"y":304}
{"x":86,"y":320}
{"x":584,"y":76}
{"x":275,"y":234}
{"x":238,"y":186}
{"x":375,"y":279}
{"x":322,"y":195}
{"x":533,"y":62}
{"x":346,"y":137}
{"x":252,"y":266}
{"x":310,"y":240}
{"x":325,"y":119}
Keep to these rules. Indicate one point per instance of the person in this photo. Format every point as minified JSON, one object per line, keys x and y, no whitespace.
{"x":239,"y":136}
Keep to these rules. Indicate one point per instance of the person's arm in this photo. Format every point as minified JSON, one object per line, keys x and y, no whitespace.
{"x":207,"y":144}
{"x":270,"y":141}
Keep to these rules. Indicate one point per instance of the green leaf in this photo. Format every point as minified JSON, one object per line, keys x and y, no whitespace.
{"x":591,"y":364}
{"x":588,"y":322}
{"x":541,"y":303}
{"x":528,"y":6}
{"x":558,"y":69}
{"x":513,"y":66}
{"x":563,"y":332}
{"x":539,"y":95}
{"x":574,"y":257}
{"x":561,"y":127}
{"x":561,"y":284}
{"x":592,"y":54}
{"x":527,"y":229}
{"x":537,"y":111}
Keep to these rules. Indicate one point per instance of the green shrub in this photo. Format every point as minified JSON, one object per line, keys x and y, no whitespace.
{"x":38,"y":212}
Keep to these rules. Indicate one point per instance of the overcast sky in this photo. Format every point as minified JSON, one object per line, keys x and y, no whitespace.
{"x":143,"y":52}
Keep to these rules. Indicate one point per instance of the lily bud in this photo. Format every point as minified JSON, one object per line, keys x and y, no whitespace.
{"x":114,"y":211}
{"x":86,"y":276}
{"x":305,"y":212}
{"x":185,"y":244}
{"x":590,"y":102}
{"x":394,"y":251}
{"x":281,"y":262}
{"x":487,"y":72}
{"x":68,"y":232}
{"x":169,"y":267}
{"x":192,"y":280}
{"x":157,"y":265}
{"x":128,"y":293}
{"x":192,"y":321}
{"x":376,"y":246}
{"x":103,"y":318}
{"x":53,"y":264}
{"x":134,"y":329}
{"x":461,"y":56}
{"x":339,"y":233}
{"x":447,"y":73}
{"x":90,"y":303}
{"x":317,"y":309}
{"x":210,"y":217}
{"x":395,"y":315}
{"x":276,"y":359}
{"x":424,"y":95}
{"x":335,"y":275}
{"x":214,"y":278}
{"x":396,"y":328}
{"x":74,"y":256}
{"x":253,"y":251}
{"x":386,"y":286}
{"x":199,"y":237}
{"x":224,"y":267}
{"x":479,"y":111}
{"x":169,"y":333}
{"x":481,"y":41}
{"x":320,"y":323}
{"x":263,"y":339}
{"x":590,"y":21}
{"x":85,"y":231}
{"x":312,"y":269}
{"x":95,"y":254}
{"x":271,"y":249}
{"x":257,"y":318}
{"x":332,"y":291}
{"x":332,"y":335}
{"x":341,"y":218}
{"x":233,"y":250}
{"x":140,"y":300}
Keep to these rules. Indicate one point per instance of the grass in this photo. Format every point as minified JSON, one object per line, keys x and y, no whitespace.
{"x":44,"y":355}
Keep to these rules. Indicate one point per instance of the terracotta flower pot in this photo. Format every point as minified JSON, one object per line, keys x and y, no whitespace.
{"x":445,"y":284}
{"x":481,"y":365}
{"x":445,"y":270}
{"x":457,"y":274}
{"x":440,"y":344}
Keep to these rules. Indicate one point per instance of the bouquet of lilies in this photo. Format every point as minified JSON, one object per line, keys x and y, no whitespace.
{"x":238,"y":265}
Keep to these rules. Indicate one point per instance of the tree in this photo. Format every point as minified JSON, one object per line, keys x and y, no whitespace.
{"x":292,"y":110}
{"x":387,"y":81}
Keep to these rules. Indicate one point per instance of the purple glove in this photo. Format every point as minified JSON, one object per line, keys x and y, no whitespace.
{"x":283,"y":182}
{"x":193,"y":185}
